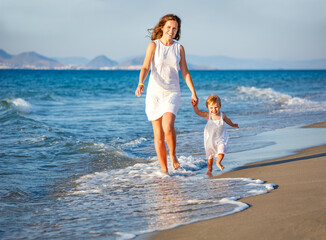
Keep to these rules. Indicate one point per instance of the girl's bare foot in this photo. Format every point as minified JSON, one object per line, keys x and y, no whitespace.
{"x":220,"y":166}
{"x":174,"y":161}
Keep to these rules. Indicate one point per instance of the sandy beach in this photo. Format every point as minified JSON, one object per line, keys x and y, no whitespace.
{"x":296,"y":209}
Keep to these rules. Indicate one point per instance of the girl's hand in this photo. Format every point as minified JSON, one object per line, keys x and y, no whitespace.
{"x":194,"y":104}
{"x":194,"y":100}
{"x":139,"y":90}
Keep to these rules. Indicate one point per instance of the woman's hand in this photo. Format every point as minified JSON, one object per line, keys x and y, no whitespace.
{"x":139,"y":90}
{"x":194,"y":100}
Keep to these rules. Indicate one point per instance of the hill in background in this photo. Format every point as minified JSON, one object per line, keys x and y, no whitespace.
{"x":101,"y":62}
{"x":33,"y":60}
{"x":27,"y":60}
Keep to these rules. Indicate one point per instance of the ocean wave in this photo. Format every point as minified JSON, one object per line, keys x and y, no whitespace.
{"x":105,"y":155}
{"x":135,"y":142}
{"x":124,"y":236}
{"x":102,"y":149}
{"x":142,"y":192}
{"x":139,"y":173}
{"x":38,"y":139}
{"x":14,"y":195}
{"x":92,"y":147}
{"x":268,"y":94}
{"x":19,"y":105}
{"x":191,"y":163}
{"x":279,"y":102}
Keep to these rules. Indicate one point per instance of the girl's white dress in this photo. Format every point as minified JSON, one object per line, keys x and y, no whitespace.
{"x":163,"y":91}
{"x":215,"y":137}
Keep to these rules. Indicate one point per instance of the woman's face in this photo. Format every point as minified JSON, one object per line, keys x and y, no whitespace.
{"x":170,"y":29}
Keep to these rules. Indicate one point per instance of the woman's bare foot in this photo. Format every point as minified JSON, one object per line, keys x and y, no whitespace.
{"x":210,"y":167}
{"x":220,"y":166}
{"x":209,"y":173}
{"x":164,"y":171}
{"x":174,"y":161}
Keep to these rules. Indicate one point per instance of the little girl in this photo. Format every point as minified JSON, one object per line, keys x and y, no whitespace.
{"x":215,"y":135}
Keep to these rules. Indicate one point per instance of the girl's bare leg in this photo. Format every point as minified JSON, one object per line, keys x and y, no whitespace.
{"x":210,"y":166}
{"x":171,"y":137}
{"x":219,"y":160}
{"x":160,"y":144}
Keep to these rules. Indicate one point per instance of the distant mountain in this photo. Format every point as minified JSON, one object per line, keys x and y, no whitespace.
{"x":4,"y":55}
{"x":101,"y":62}
{"x":27,"y":60}
{"x":222,"y":62}
{"x":134,"y":63}
{"x":78,"y":61}
{"x":137,"y":62}
{"x":33,"y":60}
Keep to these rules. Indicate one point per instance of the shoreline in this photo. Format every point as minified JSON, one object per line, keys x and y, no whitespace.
{"x":294,"y":210}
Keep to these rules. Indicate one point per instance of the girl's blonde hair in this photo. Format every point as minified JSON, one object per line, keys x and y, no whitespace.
{"x":157,"y":33}
{"x":213,"y":99}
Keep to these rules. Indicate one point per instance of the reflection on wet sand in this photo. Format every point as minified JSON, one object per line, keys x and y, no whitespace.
{"x":168,"y":200}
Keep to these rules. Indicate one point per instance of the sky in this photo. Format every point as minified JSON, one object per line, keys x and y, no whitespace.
{"x":250,"y":29}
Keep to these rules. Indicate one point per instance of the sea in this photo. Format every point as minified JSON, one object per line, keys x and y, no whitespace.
{"x":77,"y":157}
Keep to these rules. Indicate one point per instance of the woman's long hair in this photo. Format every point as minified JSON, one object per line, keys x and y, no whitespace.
{"x":157,"y":33}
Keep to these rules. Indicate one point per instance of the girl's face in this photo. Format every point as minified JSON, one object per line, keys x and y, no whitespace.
{"x":170,"y":29}
{"x":214,"y":109}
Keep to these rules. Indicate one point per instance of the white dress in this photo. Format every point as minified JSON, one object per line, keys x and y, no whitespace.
{"x":215,"y":137}
{"x":163,"y":91}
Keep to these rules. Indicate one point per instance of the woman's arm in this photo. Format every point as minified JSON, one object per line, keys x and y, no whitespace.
{"x":186,"y":75}
{"x":145,"y":68}
{"x":228,"y":121}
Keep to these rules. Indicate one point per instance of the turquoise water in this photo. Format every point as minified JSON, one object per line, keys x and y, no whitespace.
{"x":77,"y":156}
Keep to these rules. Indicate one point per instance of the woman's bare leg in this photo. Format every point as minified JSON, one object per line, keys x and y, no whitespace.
{"x":209,"y":166}
{"x":171,"y":137}
{"x":160,"y":144}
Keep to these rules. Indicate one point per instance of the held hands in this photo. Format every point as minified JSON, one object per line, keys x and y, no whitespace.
{"x":194,"y":100}
{"x":139,"y":90}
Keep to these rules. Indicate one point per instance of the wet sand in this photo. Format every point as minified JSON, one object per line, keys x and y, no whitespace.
{"x":295,"y":210}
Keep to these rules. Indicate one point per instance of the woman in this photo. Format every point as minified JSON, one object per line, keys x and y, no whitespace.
{"x":165,"y":57}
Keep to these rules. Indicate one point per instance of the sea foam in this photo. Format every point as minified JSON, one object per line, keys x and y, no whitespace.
{"x":273,"y":96}
{"x":135,"y":142}
{"x":148,"y":200}
{"x":20,"y":105}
